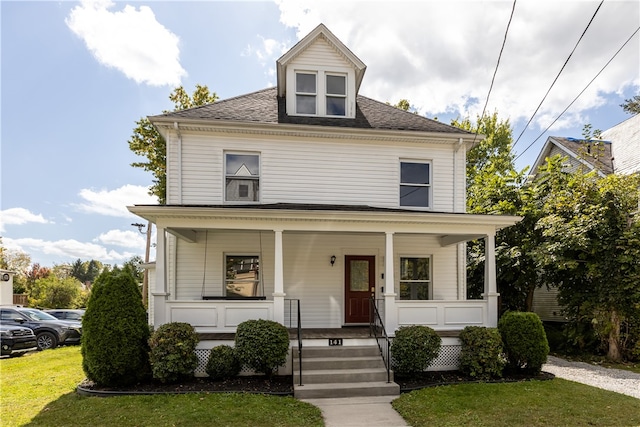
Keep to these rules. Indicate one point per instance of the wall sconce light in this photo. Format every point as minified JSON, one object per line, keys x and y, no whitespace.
{"x":333,"y":260}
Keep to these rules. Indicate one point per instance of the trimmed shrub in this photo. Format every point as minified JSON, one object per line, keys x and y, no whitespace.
{"x":223,"y":363}
{"x":262,"y":345}
{"x":115,"y":332}
{"x":414,"y":348}
{"x":481,"y":355}
{"x":525,"y":342}
{"x":173,"y":352}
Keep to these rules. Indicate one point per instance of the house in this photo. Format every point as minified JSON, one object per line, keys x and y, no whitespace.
{"x":618,"y":151}
{"x":309,"y":193}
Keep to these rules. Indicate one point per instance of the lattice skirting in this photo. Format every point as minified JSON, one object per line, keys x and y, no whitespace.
{"x":448,"y":359}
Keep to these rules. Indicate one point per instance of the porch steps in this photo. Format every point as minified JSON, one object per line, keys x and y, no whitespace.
{"x":342,"y":371}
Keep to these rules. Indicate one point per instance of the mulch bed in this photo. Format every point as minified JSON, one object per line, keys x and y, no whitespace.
{"x":283,"y":385}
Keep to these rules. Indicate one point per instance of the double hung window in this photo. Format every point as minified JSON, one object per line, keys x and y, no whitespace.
{"x":242,"y":277}
{"x":415,"y":278}
{"x":306,"y":92}
{"x":415,"y":184}
{"x":242,"y":177}
{"x":336,"y":89}
{"x":320,"y":93}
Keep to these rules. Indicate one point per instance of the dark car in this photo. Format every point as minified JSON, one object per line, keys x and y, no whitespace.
{"x":16,"y":340}
{"x":67,"y":314}
{"x":50,"y":332}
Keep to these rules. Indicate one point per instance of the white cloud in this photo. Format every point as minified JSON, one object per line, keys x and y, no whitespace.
{"x":19,"y":216}
{"x":442,"y":55}
{"x":114,"y":202}
{"x":67,"y":249}
{"x":130,"y":40}
{"x":125,"y":239}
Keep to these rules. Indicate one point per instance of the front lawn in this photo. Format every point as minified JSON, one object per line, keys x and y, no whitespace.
{"x":39,"y":390}
{"x":535,"y":403}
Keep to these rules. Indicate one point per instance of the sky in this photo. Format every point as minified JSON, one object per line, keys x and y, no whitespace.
{"x":76,"y":76}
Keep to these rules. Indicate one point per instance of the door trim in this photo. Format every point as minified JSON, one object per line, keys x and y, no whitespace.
{"x":363,"y":306}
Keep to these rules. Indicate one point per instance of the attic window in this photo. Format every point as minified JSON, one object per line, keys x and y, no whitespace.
{"x":336,"y":95}
{"x":305,"y":93}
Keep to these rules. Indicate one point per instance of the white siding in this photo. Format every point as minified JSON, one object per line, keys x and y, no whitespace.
{"x":319,"y":52}
{"x":625,"y":143}
{"x":329,"y":171}
{"x":308,"y":274}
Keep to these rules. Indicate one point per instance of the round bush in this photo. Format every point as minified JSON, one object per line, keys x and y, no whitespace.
{"x":115,"y":332}
{"x":525,"y":342}
{"x":173,"y":352}
{"x":262,"y":345}
{"x":414,"y":348}
{"x":481,"y":355}
{"x":223,"y":363}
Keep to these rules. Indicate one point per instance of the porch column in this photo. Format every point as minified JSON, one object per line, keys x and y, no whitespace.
{"x":390,"y":312}
{"x":158,"y":316}
{"x":278,"y":279}
{"x":490,"y":287}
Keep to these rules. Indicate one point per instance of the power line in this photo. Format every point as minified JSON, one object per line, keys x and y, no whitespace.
{"x":557,"y":76}
{"x":495,"y":71}
{"x":581,"y":92}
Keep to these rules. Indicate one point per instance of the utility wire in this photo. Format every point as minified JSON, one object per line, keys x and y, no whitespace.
{"x":557,"y":76}
{"x":580,"y":94}
{"x":495,"y":71}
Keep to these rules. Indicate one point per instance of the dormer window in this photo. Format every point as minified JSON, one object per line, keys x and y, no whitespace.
{"x":306,"y":93}
{"x":322,"y":92}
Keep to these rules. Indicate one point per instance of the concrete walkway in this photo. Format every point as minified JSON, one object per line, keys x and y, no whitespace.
{"x":359,"y":412}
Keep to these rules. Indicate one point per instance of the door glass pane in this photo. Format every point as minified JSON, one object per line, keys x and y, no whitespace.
{"x":359,"y":279}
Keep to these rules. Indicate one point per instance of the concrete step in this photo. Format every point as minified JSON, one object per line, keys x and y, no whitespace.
{"x":326,"y":376}
{"x":358,"y":362}
{"x":338,"y":351}
{"x":316,"y":391}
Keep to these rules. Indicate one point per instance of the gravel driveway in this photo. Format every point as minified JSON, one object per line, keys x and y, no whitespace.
{"x":617,"y":380}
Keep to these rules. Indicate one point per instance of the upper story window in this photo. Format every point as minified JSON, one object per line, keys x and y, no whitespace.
{"x":306,"y":93}
{"x":242,"y":177}
{"x":322,"y":93}
{"x":336,"y":95}
{"x":415,"y":184}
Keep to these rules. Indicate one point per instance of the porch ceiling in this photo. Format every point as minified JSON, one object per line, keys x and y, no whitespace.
{"x":453,"y":228}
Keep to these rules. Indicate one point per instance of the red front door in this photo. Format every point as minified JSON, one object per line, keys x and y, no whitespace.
{"x":360,"y":282}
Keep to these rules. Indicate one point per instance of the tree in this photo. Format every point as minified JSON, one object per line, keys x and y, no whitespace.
{"x":86,"y":271}
{"x":146,"y":141}
{"x":18,"y":262}
{"x":631,"y":105}
{"x":52,"y":292}
{"x":134,"y":266}
{"x":591,"y":249}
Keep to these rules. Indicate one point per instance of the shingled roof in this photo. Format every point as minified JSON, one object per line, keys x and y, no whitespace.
{"x":594,"y":152}
{"x":265,"y":106}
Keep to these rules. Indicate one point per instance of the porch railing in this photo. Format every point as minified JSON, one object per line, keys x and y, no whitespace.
{"x":290,"y":303}
{"x":377,"y":330}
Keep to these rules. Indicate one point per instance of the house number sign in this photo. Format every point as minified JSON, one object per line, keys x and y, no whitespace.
{"x":335,"y":341}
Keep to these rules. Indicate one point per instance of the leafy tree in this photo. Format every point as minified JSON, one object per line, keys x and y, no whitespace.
{"x":34,"y":274}
{"x":631,"y":105}
{"x":134,"y":266}
{"x":591,"y":248}
{"x":146,"y":141}
{"x":86,"y":271}
{"x":18,"y":262}
{"x":52,"y":292}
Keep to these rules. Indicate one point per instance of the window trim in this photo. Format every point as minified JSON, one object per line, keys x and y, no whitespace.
{"x":226,"y":176}
{"x":247,"y":254}
{"x":429,"y":282}
{"x":321,"y":90}
{"x":429,"y":185}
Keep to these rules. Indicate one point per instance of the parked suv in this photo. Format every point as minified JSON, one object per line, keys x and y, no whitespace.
{"x":16,"y":340}
{"x":67,"y":314}
{"x":50,"y":332}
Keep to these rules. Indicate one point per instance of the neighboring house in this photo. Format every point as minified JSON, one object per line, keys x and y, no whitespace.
{"x":311,"y":192}
{"x":618,"y":151}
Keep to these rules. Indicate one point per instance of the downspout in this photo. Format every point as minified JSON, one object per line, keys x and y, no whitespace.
{"x":177,"y":129}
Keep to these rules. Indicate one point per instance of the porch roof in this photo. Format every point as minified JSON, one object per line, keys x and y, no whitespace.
{"x":184,"y":220}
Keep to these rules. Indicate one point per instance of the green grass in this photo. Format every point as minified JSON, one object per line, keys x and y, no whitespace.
{"x":537,"y":403}
{"x":39,"y":390}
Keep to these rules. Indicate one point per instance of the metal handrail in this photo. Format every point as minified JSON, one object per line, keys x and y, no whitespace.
{"x":384,"y":343}
{"x":299,"y":336}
